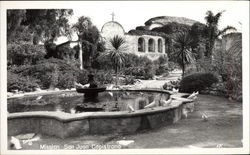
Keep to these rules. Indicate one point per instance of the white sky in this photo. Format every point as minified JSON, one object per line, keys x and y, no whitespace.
{"x":131,"y":14}
{"x":135,"y":13}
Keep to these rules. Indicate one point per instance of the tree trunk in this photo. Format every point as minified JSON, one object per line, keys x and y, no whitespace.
{"x":116,"y":72}
{"x":183,"y":63}
{"x":12,"y":32}
{"x":80,"y":54}
{"x":183,"y":70}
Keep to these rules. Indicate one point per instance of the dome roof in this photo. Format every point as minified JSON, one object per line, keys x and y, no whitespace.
{"x":112,"y":28}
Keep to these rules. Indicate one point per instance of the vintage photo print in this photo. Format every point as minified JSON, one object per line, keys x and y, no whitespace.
{"x":124,"y":77}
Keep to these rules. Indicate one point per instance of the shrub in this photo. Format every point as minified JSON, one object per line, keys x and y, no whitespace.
{"x":21,"y":83}
{"x":129,"y":80}
{"x":160,"y":65}
{"x":172,"y":65}
{"x":66,"y":80}
{"x":103,"y":77}
{"x":197,"y":82}
{"x":145,"y":72}
{"x":51,"y":73}
{"x":162,"y":69}
{"x":172,"y":84}
{"x":24,"y":53}
{"x":82,"y":77}
{"x":134,"y":71}
{"x":148,"y":72}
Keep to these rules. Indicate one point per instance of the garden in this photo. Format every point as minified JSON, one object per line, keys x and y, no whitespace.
{"x":36,"y":63}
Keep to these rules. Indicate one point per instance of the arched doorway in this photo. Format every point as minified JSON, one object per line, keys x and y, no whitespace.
{"x":159,"y":45}
{"x":151,"y":45}
{"x":141,"y":45}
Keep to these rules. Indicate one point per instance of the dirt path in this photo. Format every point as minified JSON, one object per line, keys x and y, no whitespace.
{"x":158,"y":83}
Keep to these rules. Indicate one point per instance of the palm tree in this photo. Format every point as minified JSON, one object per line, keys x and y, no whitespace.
{"x":116,"y":48}
{"x":182,"y":54}
{"x":212,"y":30}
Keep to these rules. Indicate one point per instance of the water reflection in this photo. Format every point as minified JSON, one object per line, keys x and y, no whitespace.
{"x":106,"y":101}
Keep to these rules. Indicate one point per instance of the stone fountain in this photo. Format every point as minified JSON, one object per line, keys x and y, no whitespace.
{"x":92,"y":91}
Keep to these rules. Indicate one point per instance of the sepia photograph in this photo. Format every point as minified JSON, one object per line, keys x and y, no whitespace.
{"x":124,"y":77}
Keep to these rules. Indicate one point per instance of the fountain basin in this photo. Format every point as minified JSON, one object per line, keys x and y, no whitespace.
{"x":65,"y":125}
{"x":91,"y":90}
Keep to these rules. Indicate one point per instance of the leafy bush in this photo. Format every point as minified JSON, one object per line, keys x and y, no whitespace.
{"x":162,"y":69}
{"x":129,"y":80}
{"x":24,"y":53}
{"x":172,"y":65}
{"x":145,"y":72}
{"x":172,"y":84}
{"x":161,"y":66}
{"x":138,"y":72}
{"x":82,"y":77}
{"x":103,"y":77}
{"x":50,"y":73}
{"x":66,"y":80}
{"x":197,"y":82}
{"x":21,"y":83}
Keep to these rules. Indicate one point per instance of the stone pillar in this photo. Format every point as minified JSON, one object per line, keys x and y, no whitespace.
{"x":146,"y":45}
{"x":156,"y":46}
{"x":163,"y":46}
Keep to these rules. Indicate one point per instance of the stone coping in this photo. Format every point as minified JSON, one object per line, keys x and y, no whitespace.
{"x":66,"y":117}
{"x":37,"y":93}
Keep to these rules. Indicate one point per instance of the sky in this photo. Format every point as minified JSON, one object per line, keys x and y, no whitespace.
{"x":131,"y":14}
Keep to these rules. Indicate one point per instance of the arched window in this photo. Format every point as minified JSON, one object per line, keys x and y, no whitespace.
{"x":159,"y":45}
{"x":151,"y":45}
{"x":141,"y":45}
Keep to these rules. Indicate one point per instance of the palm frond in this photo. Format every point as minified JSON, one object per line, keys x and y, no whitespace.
{"x":116,"y":48}
{"x":182,"y":54}
{"x":213,"y":20}
{"x":236,"y":49}
{"x":224,"y":30}
{"x":189,"y":56}
{"x":218,"y":16}
{"x":117,"y":42}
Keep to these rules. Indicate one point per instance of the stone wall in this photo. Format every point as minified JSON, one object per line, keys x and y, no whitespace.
{"x":112,"y":28}
{"x":132,"y":41}
{"x":65,"y":125}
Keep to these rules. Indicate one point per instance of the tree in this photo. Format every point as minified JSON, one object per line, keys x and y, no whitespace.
{"x":14,"y":19}
{"x":42,"y":24}
{"x":182,"y":53}
{"x":212,"y":30}
{"x":172,"y":28}
{"x":116,"y":48}
{"x":197,"y":34}
{"x":234,"y":68}
{"x":88,"y":37}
